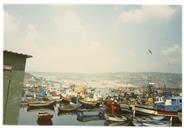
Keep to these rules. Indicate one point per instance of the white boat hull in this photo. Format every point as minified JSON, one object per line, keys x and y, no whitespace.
{"x":115,"y":118}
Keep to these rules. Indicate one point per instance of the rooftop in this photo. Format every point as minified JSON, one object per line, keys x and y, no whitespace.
{"x":27,"y":56}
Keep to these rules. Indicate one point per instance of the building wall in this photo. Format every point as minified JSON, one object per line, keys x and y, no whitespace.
{"x":16,"y":61}
{"x":12,"y":89}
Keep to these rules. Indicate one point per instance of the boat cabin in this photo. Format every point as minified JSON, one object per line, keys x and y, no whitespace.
{"x":159,"y":100}
{"x":174,"y":104}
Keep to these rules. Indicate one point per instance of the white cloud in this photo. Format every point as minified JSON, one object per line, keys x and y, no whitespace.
{"x":31,"y":33}
{"x":69,"y":21}
{"x":27,"y":42}
{"x":147,"y":13}
{"x":116,"y":7}
{"x":11,"y":23}
{"x":172,"y":55}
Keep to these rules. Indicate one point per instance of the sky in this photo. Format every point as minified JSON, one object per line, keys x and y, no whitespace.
{"x":96,"y":38}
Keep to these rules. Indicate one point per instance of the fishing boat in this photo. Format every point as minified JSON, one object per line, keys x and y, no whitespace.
{"x":66,"y":100}
{"x":151,"y":110}
{"x":44,"y":119}
{"x":44,"y":116}
{"x":116,"y":118}
{"x":67,"y":108}
{"x":40,"y":104}
{"x":112,"y":106}
{"x":58,"y":100}
{"x":146,"y":121}
{"x":169,"y":108}
{"x":125,"y":107}
{"x":95,"y":111}
{"x":89,"y":103}
{"x":38,"y":109}
{"x":89,"y":116}
{"x":56,"y":96}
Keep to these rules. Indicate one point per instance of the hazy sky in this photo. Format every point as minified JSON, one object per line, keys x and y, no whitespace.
{"x":95,"y":38}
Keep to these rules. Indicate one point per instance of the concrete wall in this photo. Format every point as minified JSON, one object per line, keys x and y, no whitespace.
{"x":12,"y":88}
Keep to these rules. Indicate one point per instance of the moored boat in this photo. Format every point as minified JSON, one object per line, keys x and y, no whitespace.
{"x":67,"y":108}
{"x":89,"y":116}
{"x":38,"y":109}
{"x":150,"y":110}
{"x":169,"y":108}
{"x":66,"y":100}
{"x":44,"y":119}
{"x":40,"y":103}
{"x":56,"y":97}
{"x":112,"y":106}
{"x":147,"y":121}
{"x":44,"y":116}
{"x":89,"y":103}
{"x":116,"y":118}
{"x":95,"y":111}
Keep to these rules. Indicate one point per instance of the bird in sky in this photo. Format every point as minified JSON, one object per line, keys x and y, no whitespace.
{"x":150,"y":51}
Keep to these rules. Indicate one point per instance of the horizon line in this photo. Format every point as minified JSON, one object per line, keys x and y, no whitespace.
{"x":101,"y":72}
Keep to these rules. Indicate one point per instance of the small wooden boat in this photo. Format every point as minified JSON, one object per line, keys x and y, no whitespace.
{"x":90,"y":116}
{"x":56,"y":96}
{"x":115,"y":118}
{"x":74,"y":99}
{"x":58,"y":100}
{"x":44,"y":116}
{"x":151,"y":122}
{"x":66,"y":100}
{"x":156,"y":117}
{"x":67,"y":108}
{"x":38,"y":109}
{"x":91,"y":112}
{"x":40,"y":103}
{"x":44,"y":122}
{"x":89,"y":103}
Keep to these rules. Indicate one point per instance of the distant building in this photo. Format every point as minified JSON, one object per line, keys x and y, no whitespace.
{"x":13,"y":76}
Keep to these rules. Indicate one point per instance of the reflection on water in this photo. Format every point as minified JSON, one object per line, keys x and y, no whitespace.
{"x":66,"y":113}
{"x":91,"y":117}
{"x":29,"y":116}
{"x":40,"y":109}
{"x":44,"y":122}
{"x":64,"y":118}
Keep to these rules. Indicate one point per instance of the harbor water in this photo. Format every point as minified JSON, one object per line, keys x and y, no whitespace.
{"x":122,"y":88}
{"x":29,"y":117}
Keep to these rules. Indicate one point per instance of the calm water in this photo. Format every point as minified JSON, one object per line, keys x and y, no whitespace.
{"x":30,"y":118}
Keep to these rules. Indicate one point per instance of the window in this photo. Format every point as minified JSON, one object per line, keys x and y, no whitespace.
{"x":180,"y":101}
{"x":174,"y":101}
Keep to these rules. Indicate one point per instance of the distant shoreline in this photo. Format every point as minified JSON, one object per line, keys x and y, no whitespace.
{"x":101,"y":72}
